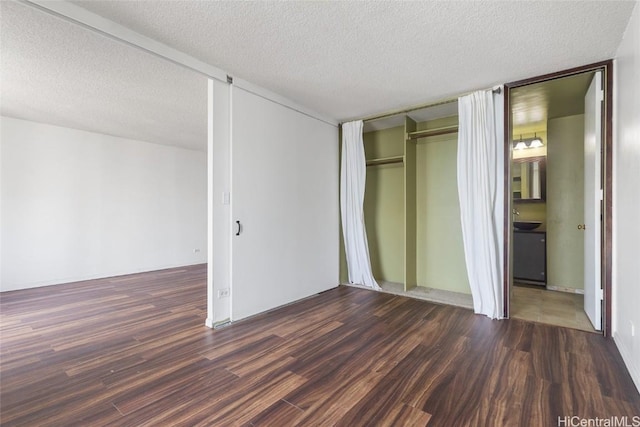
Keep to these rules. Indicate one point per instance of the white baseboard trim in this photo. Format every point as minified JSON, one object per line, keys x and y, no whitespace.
{"x":565,"y":289}
{"x":104,"y":275}
{"x":634,"y":370}
{"x":210,"y":323}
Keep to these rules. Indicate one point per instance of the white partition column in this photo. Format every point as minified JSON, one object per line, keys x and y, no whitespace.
{"x":285,"y":198}
{"x":219,"y":203}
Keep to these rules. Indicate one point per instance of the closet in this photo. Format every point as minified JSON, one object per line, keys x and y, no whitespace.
{"x":411,"y":202}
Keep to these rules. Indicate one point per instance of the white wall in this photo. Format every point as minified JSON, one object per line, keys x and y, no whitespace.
{"x":626,"y":202}
{"x":77,"y":205}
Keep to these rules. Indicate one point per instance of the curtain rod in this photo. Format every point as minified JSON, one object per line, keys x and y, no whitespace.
{"x":420,"y":107}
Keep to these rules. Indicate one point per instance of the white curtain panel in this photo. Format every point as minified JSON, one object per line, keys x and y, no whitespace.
{"x":352,"y":181}
{"x":480,"y":189}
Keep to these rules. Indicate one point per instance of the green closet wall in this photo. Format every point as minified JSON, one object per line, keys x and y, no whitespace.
{"x":384,"y":204}
{"x":440,"y":252}
{"x":565,"y":202}
{"x":412,"y":211}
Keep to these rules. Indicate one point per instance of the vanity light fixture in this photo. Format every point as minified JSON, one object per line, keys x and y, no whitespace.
{"x":520,"y":145}
{"x":535,"y":142}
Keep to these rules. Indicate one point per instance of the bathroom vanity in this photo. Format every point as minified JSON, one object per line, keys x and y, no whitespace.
{"x":530,"y":257}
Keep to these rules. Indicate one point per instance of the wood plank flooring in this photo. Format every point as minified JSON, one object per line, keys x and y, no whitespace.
{"x":134,"y":351}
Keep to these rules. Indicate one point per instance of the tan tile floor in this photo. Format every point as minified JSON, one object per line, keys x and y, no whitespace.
{"x":551,"y":307}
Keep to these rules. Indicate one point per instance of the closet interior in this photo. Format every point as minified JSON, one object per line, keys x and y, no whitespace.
{"x":411,"y":206}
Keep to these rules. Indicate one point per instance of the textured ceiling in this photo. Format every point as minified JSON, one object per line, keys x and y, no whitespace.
{"x":345,"y":60}
{"x":56,"y":72}
{"x":350,"y":59}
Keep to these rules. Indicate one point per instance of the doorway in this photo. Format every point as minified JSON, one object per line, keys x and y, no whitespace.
{"x":551,"y":275}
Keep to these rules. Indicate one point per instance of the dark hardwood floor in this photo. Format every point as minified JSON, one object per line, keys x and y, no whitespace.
{"x":134,"y":350}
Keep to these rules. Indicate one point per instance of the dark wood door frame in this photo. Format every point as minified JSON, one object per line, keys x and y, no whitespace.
{"x":607,"y":68}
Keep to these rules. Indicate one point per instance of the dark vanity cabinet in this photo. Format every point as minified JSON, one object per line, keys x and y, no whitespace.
{"x":530,"y":256}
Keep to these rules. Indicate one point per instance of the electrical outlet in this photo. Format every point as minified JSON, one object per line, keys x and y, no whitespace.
{"x":224,"y":293}
{"x":196,"y":251}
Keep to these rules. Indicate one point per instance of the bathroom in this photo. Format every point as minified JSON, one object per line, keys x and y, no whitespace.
{"x":548,"y":195}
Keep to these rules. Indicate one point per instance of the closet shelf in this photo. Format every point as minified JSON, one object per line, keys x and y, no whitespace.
{"x":385,"y":160}
{"x":432,"y":132}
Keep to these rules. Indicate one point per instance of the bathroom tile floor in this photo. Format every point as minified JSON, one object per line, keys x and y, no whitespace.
{"x":551,"y":307}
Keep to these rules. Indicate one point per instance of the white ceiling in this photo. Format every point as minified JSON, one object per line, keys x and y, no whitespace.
{"x":56,"y":72}
{"x":348,"y":59}
{"x":343,"y":59}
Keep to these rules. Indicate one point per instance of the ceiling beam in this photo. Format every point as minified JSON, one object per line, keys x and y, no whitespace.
{"x":78,"y":15}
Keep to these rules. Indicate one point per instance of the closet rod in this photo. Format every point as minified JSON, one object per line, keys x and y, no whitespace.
{"x":432,"y":132}
{"x":420,"y":107}
{"x":388,"y":161}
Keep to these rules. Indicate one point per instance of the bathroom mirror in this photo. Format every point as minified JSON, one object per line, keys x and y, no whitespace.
{"x":529,"y":179}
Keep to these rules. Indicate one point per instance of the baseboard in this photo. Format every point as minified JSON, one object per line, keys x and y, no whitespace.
{"x":103,"y":275}
{"x":634,"y":370}
{"x":210,"y":323}
{"x":565,"y":289}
